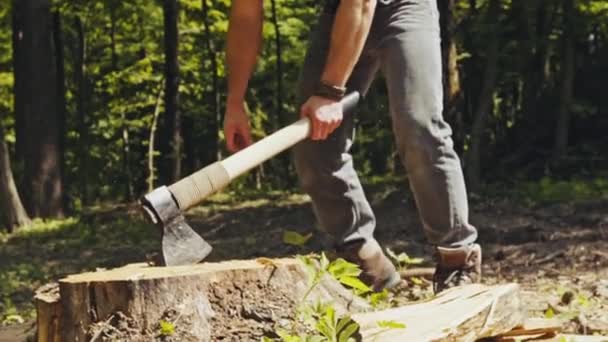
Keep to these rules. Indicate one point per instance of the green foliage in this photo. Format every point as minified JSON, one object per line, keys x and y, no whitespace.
{"x":40,"y":228}
{"x":295,"y":238}
{"x":347,"y":274}
{"x":549,"y":313}
{"x":6,"y":74}
{"x":328,"y":327}
{"x":549,"y":190}
{"x":379,"y":300}
{"x":403,"y":261}
{"x":386,"y":326}
{"x":286,"y":337}
{"x":390,"y":325}
{"x":572,"y":303}
{"x":336,"y":329}
{"x":321,"y":317}
{"x":13,"y":319}
{"x":166,"y":328}
{"x":343,"y":271}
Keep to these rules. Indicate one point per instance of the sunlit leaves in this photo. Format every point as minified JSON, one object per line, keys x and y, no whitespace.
{"x":402,"y":260}
{"x":166,"y":328}
{"x":390,"y":325}
{"x":295,"y":238}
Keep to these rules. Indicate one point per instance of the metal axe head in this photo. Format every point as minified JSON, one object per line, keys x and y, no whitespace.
{"x":181,"y":245}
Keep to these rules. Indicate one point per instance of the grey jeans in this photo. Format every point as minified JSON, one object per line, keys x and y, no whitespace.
{"x":404,"y":44}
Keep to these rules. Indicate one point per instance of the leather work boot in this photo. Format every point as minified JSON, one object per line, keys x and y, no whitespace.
{"x":457,"y":266}
{"x":378,"y":271}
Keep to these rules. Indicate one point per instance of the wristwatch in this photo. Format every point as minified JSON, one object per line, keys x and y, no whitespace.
{"x":330,"y":91}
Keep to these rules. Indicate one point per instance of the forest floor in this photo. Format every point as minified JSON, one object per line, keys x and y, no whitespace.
{"x":557,"y":252}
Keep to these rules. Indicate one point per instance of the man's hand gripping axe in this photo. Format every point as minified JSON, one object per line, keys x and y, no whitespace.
{"x":165,"y":205}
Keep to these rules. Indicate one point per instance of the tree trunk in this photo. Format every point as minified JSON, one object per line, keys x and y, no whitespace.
{"x":486,"y":96}
{"x":14,"y":214}
{"x":537,"y":81}
{"x":215,"y":96}
{"x":470,"y":66}
{"x":451,"y":85}
{"x":125,"y":137}
{"x":172,"y":139}
{"x":80,"y":71}
{"x":279,"y":57}
{"x":42,"y":150}
{"x":126,"y":159}
{"x":283,"y":161}
{"x":18,"y":70}
{"x":61,"y":101}
{"x":536,"y":47}
{"x":567,"y":78}
{"x":151,"y":141}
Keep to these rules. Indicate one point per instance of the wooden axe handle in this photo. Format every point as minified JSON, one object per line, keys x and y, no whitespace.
{"x":191,"y":190}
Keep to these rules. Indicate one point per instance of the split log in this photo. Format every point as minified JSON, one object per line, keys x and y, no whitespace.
{"x":461,"y":314}
{"x":234,"y":300}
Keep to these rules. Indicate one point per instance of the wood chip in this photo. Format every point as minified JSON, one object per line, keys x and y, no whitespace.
{"x":547,"y":258}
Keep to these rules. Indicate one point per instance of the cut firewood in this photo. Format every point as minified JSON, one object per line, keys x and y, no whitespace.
{"x":465,"y":313}
{"x":196,"y":303}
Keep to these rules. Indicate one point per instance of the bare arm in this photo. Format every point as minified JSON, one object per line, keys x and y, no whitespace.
{"x":350,"y":29}
{"x":349,"y":33}
{"x":244,"y":40}
{"x":243,"y":45}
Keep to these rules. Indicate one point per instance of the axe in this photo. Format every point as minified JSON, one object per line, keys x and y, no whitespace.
{"x":165,"y":206}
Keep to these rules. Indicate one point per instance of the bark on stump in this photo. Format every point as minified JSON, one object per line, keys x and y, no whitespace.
{"x":200,"y":302}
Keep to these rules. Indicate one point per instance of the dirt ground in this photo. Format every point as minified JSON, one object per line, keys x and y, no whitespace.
{"x":558,"y":253}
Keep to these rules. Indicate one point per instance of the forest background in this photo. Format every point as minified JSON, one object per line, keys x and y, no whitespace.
{"x":104,"y":100}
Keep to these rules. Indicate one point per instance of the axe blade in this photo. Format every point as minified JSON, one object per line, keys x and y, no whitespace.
{"x":181,"y":245}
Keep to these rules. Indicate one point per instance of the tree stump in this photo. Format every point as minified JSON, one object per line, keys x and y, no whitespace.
{"x":48,"y":313}
{"x":235,"y":300}
{"x":244,"y":300}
